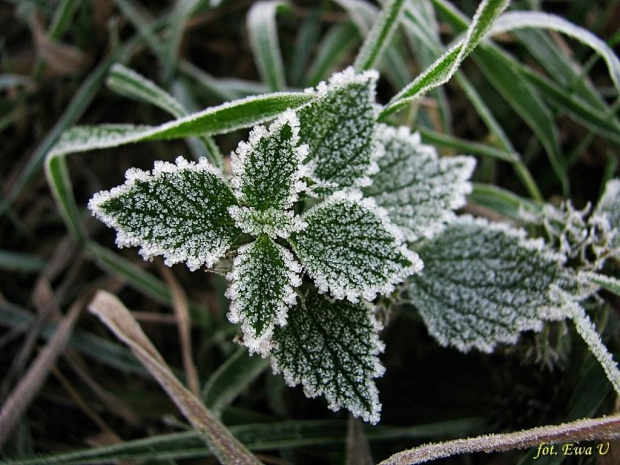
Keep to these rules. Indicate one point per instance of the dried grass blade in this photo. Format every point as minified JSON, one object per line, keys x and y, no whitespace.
{"x":30,"y":384}
{"x":223,"y":444}
{"x":181,"y":310}
{"x":576,"y":431}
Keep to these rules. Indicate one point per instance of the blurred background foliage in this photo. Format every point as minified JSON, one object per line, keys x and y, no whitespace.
{"x":54,"y":57}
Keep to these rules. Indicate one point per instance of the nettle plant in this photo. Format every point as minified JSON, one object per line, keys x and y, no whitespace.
{"x":331,"y":211}
{"x":325,"y":212}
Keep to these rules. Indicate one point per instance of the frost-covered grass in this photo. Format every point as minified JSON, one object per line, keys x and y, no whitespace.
{"x":410,"y":214}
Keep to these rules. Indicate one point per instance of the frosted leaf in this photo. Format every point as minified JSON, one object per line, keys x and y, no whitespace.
{"x":485,"y":283}
{"x":179,"y":211}
{"x":350,"y":248}
{"x":338,"y":127}
{"x":268,"y":170}
{"x":263,"y":280}
{"x":418,"y":189}
{"x":275,"y":223}
{"x":609,"y":208}
{"x":331,"y":348}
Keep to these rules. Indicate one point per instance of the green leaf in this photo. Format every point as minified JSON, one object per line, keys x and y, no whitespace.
{"x":484,"y":283}
{"x":179,"y":211}
{"x":338,"y":127}
{"x":223,"y":118}
{"x":263,"y":35}
{"x":351,"y":249}
{"x":417,"y":189}
{"x":609,"y":208}
{"x":268,"y":170}
{"x":380,"y":36}
{"x":264,"y":279}
{"x":331,"y":348}
{"x":444,"y":67}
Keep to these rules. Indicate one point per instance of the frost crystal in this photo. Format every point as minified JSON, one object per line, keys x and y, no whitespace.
{"x":275,"y":223}
{"x":609,"y":209}
{"x":484,"y":284}
{"x":338,"y":127}
{"x":268,"y":170}
{"x":331,"y":348}
{"x":417,"y":189}
{"x":263,"y":280}
{"x":179,"y":211}
{"x":350,"y":248}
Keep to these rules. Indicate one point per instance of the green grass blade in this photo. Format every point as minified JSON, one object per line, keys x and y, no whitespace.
{"x":20,"y":262}
{"x":231,"y":378}
{"x":600,"y":121}
{"x":213,"y":87}
{"x":263,"y":35}
{"x":566,"y":72}
{"x":106,"y":352}
{"x":464,"y":146}
{"x":507,"y":78}
{"x":444,"y":68}
{"x":501,"y":201}
{"x":85,"y":94}
{"x":608,"y":283}
{"x":307,"y":38}
{"x":128,"y":83}
{"x":529,"y":19}
{"x":169,"y":58}
{"x":135,"y":276}
{"x":380,"y":36}
{"x":258,"y":436}
{"x":336,"y":45}
{"x":221,"y":119}
{"x":62,"y":189}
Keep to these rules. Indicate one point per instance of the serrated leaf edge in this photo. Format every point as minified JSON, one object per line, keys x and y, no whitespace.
{"x":148,"y":250}
{"x":262,"y":344}
{"x":377,"y":347}
{"x":240,"y":156}
{"x":370,"y":293}
{"x":461,"y":188}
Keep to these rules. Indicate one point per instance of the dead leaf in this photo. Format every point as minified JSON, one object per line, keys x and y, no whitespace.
{"x":120,"y":321}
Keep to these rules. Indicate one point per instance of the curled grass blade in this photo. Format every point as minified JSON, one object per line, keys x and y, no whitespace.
{"x":118,"y":319}
{"x":380,"y":36}
{"x":444,"y":68}
{"x":533,"y":19}
{"x":263,"y":35}
{"x":127,"y":82}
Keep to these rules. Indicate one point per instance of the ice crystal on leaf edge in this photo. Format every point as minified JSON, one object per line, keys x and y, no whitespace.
{"x":146,"y":212}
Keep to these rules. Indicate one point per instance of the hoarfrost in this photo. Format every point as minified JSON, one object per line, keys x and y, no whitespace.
{"x":350,"y":248}
{"x":179,"y":211}
{"x":418,"y":189}
{"x":273,"y":222}
{"x":263,"y":280}
{"x":485,"y":283}
{"x":331,"y":348}
{"x":268,"y":169}
{"x":338,"y":127}
{"x":609,"y":208}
